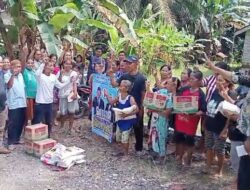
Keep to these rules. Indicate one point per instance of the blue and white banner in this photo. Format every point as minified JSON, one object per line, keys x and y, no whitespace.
{"x":102,"y":114}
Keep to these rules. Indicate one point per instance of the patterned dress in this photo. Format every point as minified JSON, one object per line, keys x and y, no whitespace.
{"x":159,"y":127}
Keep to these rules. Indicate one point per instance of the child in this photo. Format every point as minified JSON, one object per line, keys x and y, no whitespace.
{"x":124,"y":100}
{"x":160,"y":123}
{"x":30,"y":89}
{"x":16,"y":101}
{"x":186,"y":124}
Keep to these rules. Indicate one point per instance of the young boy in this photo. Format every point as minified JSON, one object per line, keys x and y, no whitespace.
{"x":186,"y":124}
{"x":16,"y":101}
{"x":30,"y":88}
{"x":123,"y":101}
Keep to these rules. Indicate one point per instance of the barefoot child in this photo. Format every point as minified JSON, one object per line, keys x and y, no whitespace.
{"x":123,"y":101}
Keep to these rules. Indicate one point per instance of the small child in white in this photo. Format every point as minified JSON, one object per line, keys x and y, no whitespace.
{"x":126,"y":120}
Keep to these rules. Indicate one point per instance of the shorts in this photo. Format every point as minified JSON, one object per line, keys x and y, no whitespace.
{"x":212,"y":141}
{"x":182,"y":138}
{"x":122,"y":136}
{"x":66,"y":107}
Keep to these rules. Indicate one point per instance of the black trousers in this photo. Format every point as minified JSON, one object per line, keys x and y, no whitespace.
{"x":44,"y":114}
{"x":244,"y":173}
{"x":138,"y":129}
{"x":15,"y":124}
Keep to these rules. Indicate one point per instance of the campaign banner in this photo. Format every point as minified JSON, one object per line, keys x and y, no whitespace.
{"x":102,"y":114}
{"x":185,"y":104}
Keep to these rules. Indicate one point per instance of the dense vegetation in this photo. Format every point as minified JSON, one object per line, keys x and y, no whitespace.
{"x":172,"y":31}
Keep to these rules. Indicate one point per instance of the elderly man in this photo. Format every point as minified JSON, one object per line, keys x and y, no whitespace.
{"x":244,"y":124}
{"x":3,"y":109}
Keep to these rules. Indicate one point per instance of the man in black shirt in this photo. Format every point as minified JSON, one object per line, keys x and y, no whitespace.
{"x":137,"y":90}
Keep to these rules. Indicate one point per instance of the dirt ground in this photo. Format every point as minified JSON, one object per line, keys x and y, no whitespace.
{"x":19,"y":171}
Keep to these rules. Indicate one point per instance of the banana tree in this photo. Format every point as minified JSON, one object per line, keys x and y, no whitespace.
{"x":20,"y":27}
{"x":116,"y":16}
{"x":160,"y":42}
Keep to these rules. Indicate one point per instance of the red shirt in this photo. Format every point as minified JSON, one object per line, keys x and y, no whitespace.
{"x":187,"y":123}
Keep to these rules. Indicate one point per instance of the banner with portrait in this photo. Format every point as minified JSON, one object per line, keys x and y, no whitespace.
{"x":102,"y":114}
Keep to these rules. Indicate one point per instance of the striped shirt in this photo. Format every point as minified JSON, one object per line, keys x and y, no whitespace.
{"x":210,"y":83}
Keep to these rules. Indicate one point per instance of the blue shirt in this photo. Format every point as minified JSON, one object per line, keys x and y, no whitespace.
{"x":16,"y":97}
{"x":2,"y":92}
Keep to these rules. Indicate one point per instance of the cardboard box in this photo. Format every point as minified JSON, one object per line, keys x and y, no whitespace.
{"x":185,"y":104}
{"x":155,"y":101}
{"x":36,"y":132}
{"x":40,"y":147}
{"x":29,"y":147}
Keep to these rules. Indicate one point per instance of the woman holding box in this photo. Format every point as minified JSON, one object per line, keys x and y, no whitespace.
{"x":159,"y":122}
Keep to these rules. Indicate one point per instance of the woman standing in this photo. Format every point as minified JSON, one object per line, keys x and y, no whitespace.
{"x":215,"y":123}
{"x":244,"y":124}
{"x":165,"y":74}
{"x":68,"y":103}
{"x":160,"y":123}
{"x":29,"y":77}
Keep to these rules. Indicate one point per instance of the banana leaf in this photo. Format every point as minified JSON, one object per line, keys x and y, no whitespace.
{"x":66,"y":14}
{"x":99,"y":24}
{"x":76,"y":41}
{"x":116,"y":16}
{"x":51,"y":42}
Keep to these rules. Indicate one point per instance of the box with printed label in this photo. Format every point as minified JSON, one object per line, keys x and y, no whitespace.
{"x":40,"y":147}
{"x":185,"y":104}
{"x":155,"y":101}
{"x":29,"y":147}
{"x":36,"y":132}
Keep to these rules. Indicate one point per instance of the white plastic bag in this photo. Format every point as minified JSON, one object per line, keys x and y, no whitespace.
{"x":228,"y":108}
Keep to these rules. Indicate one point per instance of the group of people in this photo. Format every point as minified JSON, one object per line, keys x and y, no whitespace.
{"x":33,"y":92}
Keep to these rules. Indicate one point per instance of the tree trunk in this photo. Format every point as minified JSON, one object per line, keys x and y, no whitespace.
{"x":164,"y":6}
{"x":6,"y":41}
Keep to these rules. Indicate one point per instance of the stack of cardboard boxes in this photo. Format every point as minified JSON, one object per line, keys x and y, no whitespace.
{"x":36,"y":139}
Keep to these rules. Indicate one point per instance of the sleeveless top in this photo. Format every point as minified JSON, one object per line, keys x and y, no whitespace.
{"x":125,"y":125}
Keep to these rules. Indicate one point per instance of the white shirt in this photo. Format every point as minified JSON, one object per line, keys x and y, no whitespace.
{"x":66,"y":78}
{"x":45,"y":86}
{"x":16,"y":97}
{"x":37,"y":64}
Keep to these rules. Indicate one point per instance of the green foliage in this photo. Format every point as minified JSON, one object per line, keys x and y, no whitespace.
{"x":60,"y":20}
{"x":116,"y":16}
{"x":29,"y":6}
{"x":160,"y":43}
{"x":51,"y":42}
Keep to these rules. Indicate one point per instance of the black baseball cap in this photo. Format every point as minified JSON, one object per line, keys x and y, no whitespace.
{"x":131,"y":59}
